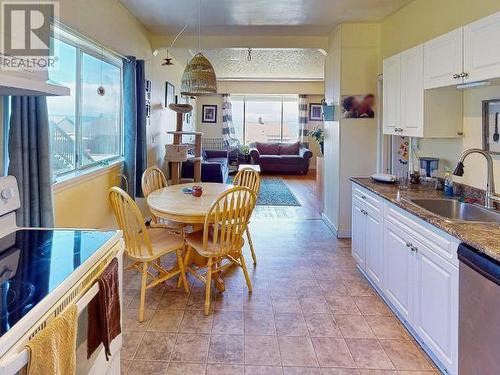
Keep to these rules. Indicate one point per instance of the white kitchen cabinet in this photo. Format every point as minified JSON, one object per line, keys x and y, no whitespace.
{"x":367,"y":233}
{"x":399,"y":265}
{"x":443,"y":57}
{"x":482,"y":49}
{"x":358,"y":232}
{"x":412,"y":92}
{"x":409,"y":110}
{"x":392,"y":94}
{"x":414,"y":267}
{"x":374,"y":263}
{"x":436,"y":305}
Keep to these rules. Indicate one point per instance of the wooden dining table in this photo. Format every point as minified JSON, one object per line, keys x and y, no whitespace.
{"x":174,"y":204}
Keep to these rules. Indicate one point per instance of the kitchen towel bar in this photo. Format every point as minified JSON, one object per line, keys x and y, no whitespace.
{"x":12,"y":364}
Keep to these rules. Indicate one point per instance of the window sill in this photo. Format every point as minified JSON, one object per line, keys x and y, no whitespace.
{"x":69,"y":180}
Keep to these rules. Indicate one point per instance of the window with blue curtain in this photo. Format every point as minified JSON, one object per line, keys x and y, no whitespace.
{"x":86,"y":126}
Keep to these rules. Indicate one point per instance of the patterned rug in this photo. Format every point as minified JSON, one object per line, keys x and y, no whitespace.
{"x":273,"y":192}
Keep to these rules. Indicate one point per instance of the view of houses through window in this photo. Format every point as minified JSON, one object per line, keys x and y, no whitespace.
{"x":265,"y":118}
{"x":86,"y":127}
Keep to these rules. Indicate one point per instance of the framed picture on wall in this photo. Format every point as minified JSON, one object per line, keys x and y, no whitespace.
{"x":209,"y":113}
{"x":491,"y":120}
{"x":358,"y":106}
{"x":169,"y":94}
{"x":315,"y":112}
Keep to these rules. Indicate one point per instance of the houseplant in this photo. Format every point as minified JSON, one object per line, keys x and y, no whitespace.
{"x":319,"y":135}
{"x":244,"y":154}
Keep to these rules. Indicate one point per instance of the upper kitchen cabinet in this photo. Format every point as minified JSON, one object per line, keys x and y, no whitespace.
{"x":412,"y":92}
{"x":392,"y":94}
{"x":443,"y":60}
{"x":408,"y":109}
{"x":482,"y":49}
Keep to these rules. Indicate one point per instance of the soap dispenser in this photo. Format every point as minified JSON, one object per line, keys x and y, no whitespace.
{"x":448,"y":184}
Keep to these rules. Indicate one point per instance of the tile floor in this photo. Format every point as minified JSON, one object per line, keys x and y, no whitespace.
{"x":311,"y":313}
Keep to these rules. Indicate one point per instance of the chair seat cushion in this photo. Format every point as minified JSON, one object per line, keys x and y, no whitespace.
{"x":162,"y":241}
{"x":195,"y":240}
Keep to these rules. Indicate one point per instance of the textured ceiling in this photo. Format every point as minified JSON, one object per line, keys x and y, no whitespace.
{"x":257,"y":17}
{"x":266,"y":64}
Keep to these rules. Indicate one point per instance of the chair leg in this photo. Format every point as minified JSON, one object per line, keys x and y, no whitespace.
{"x":144,"y":276}
{"x":182,"y":275}
{"x":208,"y":286}
{"x":187,"y":260}
{"x":245,"y":272}
{"x":250,"y":243}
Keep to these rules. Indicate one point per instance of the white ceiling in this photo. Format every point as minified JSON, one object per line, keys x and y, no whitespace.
{"x":266,"y":64}
{"x":257,"y":17}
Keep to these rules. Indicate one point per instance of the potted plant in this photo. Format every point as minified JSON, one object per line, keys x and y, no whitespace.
{"x":244,"y":154}
{"x":319,"y":135}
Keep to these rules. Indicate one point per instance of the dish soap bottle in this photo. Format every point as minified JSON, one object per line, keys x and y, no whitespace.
{"x":448,"y":184}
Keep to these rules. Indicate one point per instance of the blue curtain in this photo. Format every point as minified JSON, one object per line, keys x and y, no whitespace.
{"x":30,"y":160}
{"x":135,"y":124}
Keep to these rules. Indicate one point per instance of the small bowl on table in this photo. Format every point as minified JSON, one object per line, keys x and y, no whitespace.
{"x":197,"y":191}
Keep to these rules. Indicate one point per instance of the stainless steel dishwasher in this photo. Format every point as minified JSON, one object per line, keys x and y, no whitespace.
{"x":479,"y":313}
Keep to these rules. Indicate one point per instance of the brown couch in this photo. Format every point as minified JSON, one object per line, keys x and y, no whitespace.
{"x":281,"y":158}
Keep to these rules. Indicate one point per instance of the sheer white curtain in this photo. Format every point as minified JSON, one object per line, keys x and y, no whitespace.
{"x":303,"y":116}
{"x":228,"y":133}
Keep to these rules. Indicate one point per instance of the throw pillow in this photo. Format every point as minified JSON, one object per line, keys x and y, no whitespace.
{"x":267,"y":148}
{"x":290,"y":149}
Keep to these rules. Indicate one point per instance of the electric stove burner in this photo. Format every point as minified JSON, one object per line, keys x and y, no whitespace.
{"x":14,"y":295}
{"x":34,"y":262}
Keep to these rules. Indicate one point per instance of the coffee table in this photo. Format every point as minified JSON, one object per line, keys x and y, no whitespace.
{"x":255,"y":167}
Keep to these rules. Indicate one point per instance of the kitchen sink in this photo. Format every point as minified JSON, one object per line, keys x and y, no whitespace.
{"x":455,"y":210}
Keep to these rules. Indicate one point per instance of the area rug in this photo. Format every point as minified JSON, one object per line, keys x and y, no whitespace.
{"x":274,"y":192}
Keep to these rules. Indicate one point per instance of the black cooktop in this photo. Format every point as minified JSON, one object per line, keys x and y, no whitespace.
{"x":35,"y":262}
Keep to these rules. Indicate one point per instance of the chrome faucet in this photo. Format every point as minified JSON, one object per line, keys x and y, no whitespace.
{"x":491,"y":195}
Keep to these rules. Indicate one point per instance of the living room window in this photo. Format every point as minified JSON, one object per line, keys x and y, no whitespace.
{"x":86,"y":127}
{"x":266,"y":118}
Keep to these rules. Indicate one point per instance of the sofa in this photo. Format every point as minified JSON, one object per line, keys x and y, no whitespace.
{"x":214,"y":167}
{"x":281,"y":157}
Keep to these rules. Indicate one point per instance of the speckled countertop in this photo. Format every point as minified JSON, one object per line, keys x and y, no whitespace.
{"x":483,"y":237}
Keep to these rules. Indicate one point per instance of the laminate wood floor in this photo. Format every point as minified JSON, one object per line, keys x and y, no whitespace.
{"x":304,"y":189}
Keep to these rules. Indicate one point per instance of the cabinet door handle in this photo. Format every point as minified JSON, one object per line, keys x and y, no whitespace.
{"x":455,"y":76}
{"x":414,"y":249}
{"x":409,"y":244}
{"x":464,"y":75}
{"x":363,"y":197}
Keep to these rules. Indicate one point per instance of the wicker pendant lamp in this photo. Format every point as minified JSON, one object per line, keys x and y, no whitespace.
{"x":199,"y":77}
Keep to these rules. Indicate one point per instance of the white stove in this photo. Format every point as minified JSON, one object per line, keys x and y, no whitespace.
{"x":39,"y":267}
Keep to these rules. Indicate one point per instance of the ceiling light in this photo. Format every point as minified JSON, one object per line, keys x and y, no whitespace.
{"x":199,"y":77}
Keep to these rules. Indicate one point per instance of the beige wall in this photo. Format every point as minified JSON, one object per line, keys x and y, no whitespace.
{"x":422,"y":20}
{"x":108,"y":22}
{"x":350,"y":143}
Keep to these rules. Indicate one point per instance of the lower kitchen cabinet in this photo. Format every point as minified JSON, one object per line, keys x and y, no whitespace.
{"x":436,"y":305}
{"x":398,"y":268}
{"x":358,"y":232}
{"x":366,"y":244}
{"x":373,"y":247}
{"x":405,"y":261}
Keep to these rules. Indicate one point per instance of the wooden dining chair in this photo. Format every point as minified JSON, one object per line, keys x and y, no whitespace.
{"x":249,"y":178}
{"x":145,"y":246}
{"x":222,"y":237}
{"x":153,"y":179}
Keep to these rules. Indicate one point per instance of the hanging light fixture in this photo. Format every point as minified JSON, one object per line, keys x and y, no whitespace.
{"x":199,"y":77}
